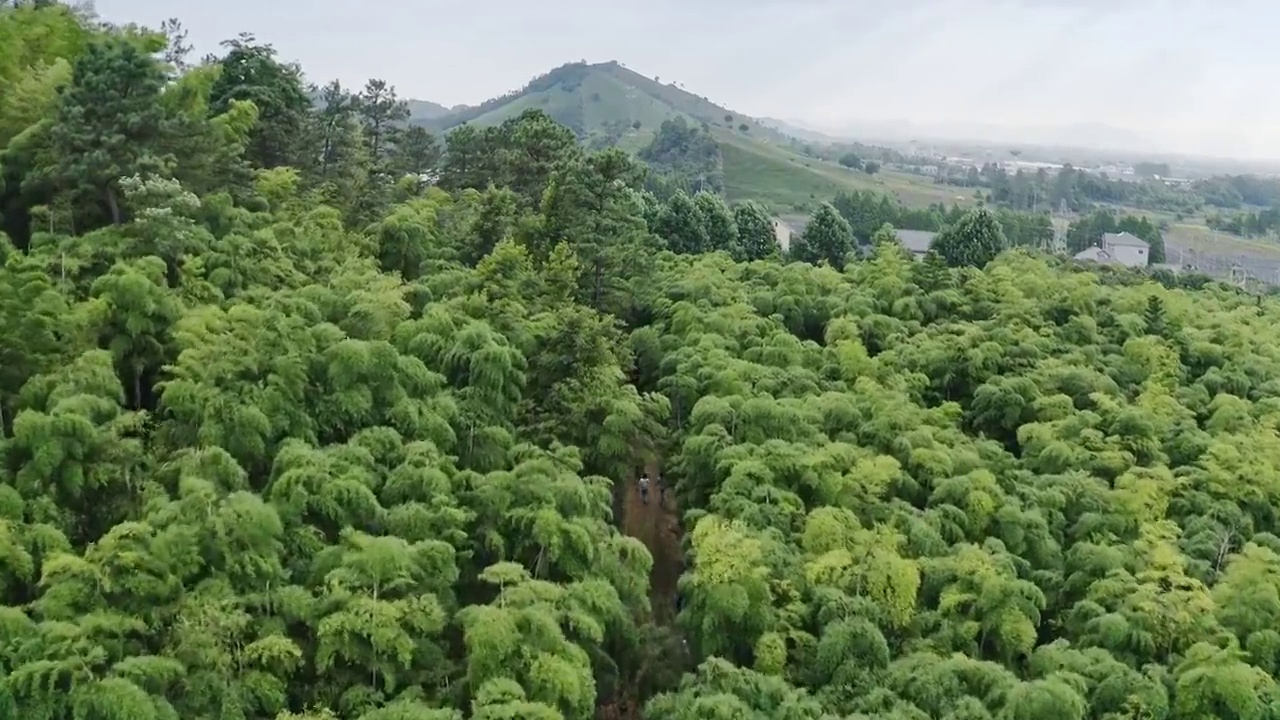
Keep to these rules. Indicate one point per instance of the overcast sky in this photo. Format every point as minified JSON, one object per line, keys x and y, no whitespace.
{"x":1193,"y":74}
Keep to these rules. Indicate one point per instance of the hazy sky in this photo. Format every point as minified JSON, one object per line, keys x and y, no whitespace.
{"x":1193,"y":74}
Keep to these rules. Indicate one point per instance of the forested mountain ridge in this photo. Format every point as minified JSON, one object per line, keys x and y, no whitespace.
{"x":426,"y":110}
{"x":292,"y":433}
{"x":608,"y":105}
{"x":606,"y":102}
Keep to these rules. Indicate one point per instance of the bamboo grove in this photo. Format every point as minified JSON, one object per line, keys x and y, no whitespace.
{"x":309,"y":415}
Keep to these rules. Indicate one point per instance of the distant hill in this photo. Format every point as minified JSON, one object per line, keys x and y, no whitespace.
{"x":605,"y":104}
{"x":798,"y":130}
{"x":1088,"y":136}
{"x":423,"y":110}
{"x":608,"y":105}
{"x":419,"y":110}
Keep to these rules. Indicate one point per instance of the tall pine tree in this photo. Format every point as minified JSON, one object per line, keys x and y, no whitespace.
{"x":109,"y":123}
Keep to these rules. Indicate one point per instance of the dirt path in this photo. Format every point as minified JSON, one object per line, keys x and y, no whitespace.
{"x":657,"y":525}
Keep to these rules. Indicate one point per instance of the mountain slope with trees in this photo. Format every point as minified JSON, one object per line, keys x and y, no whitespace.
{"x":609,"y":105}
{"x":606,"y":102}
{"x":289,"y":432}
{"x":426,"y":110}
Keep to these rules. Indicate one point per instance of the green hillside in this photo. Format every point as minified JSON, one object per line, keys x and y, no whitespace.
{"x":755,"y":175}
{"x":424,"y":110}
{"x":787,"y":180}
{"x":607,"y":104}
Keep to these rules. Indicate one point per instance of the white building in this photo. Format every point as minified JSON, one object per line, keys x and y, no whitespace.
{"x":1127,"y":249}
{"x":1118,"y":249}
{"x":1031,"y":166}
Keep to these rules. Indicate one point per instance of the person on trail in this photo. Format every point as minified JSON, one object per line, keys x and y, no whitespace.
{"x":644,"y":488}
{"x":662,"y":491}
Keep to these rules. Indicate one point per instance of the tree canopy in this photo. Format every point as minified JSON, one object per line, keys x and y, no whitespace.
{"x":306,"y":415}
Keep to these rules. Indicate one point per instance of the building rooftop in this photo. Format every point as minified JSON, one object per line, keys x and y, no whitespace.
{"x":1095,"y":254}
{"x":1123,"y":239}
{"x":917,"y":241}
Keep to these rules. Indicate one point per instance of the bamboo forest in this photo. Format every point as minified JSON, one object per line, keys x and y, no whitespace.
{"x":310,"y":414}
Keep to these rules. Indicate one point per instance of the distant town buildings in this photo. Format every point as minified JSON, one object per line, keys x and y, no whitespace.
{"x":1031,"y":166}
{"x":940,"y":165}
{"x":1112,"y":170}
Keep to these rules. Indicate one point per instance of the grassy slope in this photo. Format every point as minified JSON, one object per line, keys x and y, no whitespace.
{"x":1200,"y":238}
{"x":789,"y":181}
{"x":694,"y":106}
{"x":779,"y":182}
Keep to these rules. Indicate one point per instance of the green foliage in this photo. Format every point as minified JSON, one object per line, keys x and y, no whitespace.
{"x":682,"y":225}
{"x":827,"y":238}
{"x":108,"y":124}
{"x":1073,"y":188}
{"x":757,"y":238}
{"x":250,"y":72}
{"x":684,"y":158}
{"x":521,"y":154}
{"x":1255,"y":223}
{"x":689,"y":143}
{"x":322,"y":442}
{"x":974,"y":240}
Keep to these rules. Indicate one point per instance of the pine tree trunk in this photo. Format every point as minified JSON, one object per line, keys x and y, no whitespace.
{"x":113,"y":205}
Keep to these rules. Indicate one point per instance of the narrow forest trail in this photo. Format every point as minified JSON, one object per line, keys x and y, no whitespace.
{"x":657,"y":525}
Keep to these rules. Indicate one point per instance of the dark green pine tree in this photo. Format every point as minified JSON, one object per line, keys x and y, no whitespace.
{"x":1154,"y":316}
{"x":757,"y":238}
{"x":931,"y":273}
{"x":108,"y":125}
{"x":681,"y":226}
{"x":717,"y":223}
{"x":974,"y":240}
{"x":381,"y":112}
{"x":416,"y":152}
{"x":827,"y":237}
{"x":250,"y":71}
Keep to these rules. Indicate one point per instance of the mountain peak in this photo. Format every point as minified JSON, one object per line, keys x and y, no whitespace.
{"x":605,"y":103}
